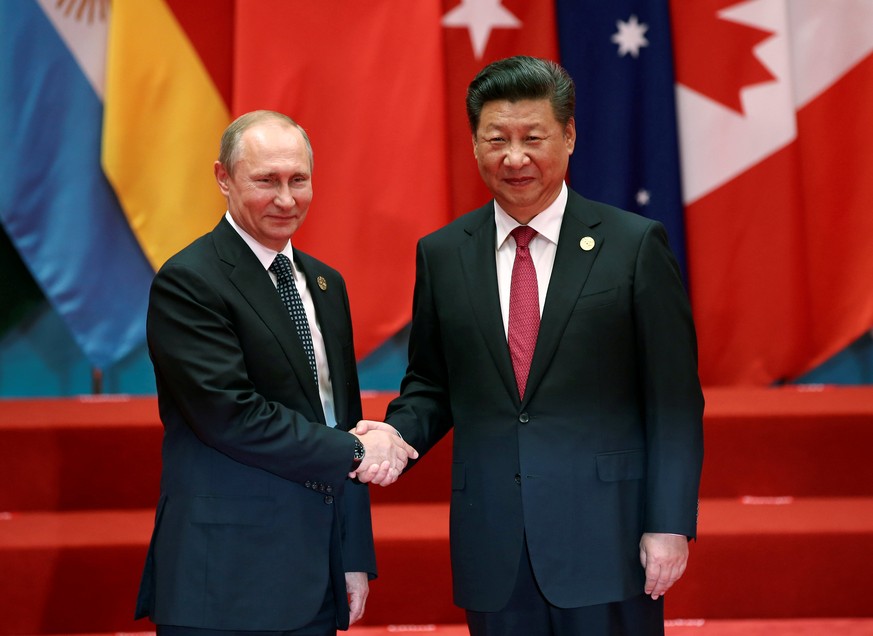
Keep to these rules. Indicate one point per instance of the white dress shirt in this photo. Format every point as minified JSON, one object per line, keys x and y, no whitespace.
{"x":542,"y":249}
{"x":266,"y":256}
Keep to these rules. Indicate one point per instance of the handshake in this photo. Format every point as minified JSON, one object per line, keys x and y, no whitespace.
{"x":385,"y":453}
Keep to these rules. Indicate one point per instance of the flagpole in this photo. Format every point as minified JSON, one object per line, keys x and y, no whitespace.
{"x":96,"y":381}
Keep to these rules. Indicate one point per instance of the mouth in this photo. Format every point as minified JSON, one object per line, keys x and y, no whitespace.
{"x":518,"y":181}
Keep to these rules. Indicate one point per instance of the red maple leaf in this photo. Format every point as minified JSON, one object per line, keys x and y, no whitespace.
{"x":715,"y":56}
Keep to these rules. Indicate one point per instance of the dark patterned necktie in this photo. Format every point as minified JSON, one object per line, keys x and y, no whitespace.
{"x":524,"y":308}
{"x":281,"y":267}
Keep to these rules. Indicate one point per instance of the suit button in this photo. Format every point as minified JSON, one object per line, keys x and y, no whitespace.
{"x":518,"y":479}
{"x":329,"y":489}
{"x":308,"y":484}
{"x":524,"y":418}
{"x":328,"y":500}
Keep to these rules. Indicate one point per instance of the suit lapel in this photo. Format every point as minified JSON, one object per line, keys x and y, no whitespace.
{"x":569,"y":274}
{"x":254,"y":284}
{"x":478,"y":261}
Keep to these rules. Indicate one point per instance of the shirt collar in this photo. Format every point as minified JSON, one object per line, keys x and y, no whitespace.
{"x":547,"y":223}
{"x":265,"y":255}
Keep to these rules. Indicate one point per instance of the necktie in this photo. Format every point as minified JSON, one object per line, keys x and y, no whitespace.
{"x":281,"y":267}
{"x":524,"y":307}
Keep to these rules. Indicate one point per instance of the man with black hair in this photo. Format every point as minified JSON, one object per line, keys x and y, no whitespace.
{"x":554,"y":334}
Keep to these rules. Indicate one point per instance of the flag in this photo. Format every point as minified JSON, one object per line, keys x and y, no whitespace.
{"x":55,"y":202}
{"x":380,"y":88}
{"x":477,"y":33}
{"x":168,"y":62}
{"x":474,"y":34}
{"x":774,"y":100}
{"x":366,"y":81}
{"x":620,"y":56}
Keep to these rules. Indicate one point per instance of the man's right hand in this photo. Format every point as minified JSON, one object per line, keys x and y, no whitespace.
{"x":385,"y":453}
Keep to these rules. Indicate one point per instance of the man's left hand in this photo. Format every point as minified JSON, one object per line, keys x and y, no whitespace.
{"x":664,"y":556}
{"x":357,"y":587}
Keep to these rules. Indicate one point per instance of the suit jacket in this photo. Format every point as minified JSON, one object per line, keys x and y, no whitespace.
{"x":606,"y":443}
{"x":256,"y":515}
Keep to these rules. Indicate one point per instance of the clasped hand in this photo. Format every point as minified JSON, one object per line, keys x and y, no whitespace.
{"x":385,"y":453}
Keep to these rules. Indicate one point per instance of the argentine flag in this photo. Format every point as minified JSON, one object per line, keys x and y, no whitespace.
{"x":55,"y":201}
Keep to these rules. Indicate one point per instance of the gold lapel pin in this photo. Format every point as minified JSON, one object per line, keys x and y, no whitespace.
{"x":587,"y":243}
{"x":322,"y":283}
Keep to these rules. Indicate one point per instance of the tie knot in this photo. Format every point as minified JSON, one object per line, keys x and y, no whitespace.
{"x":281,"y":267}
{"x":523,"y":235}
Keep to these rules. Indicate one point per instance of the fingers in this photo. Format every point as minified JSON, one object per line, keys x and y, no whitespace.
{"x":385,"y":453}
{"x":366,"y":476}
{"x":664,"y":557}
{"x":358,"y":589}
{"x":377,"y":474}
{"x":368,"y":425}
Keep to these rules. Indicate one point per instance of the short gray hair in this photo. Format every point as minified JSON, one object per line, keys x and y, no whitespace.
{"x":229,"y":149}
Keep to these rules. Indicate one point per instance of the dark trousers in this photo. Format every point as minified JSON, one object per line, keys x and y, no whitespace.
{"x":528,"y":613}
{"x":324,"y":624}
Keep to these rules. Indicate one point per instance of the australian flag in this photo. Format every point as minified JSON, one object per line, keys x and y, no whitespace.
{"x":620,"y":55}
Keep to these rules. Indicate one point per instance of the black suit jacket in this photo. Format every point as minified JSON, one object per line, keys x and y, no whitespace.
{"x":606,"y":443}
{"x":256,"y":515}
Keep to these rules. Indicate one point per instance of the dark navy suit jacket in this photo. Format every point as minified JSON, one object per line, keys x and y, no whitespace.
{"x":606,"y":443}
{"x":256,"y":515}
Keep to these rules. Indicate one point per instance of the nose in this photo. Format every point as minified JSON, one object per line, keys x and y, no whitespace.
{"x":516,"y":156}
{"x":284,"y":196}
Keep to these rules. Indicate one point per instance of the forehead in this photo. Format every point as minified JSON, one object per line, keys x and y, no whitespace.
{"x":523,"y":113}
{"x":272,"y":142}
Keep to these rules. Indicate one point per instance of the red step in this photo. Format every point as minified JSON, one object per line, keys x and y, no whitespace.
{"x":772,"y":559}
{"x":91,"y":453}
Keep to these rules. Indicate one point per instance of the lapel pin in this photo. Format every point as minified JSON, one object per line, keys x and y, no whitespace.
{"x":587,"y":243}
{"x":322,"y":283}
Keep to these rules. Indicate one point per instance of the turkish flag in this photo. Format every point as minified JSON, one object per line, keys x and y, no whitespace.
{"x":774,"y":106}
{"x":477,"y":33}
{"x":379,"y":86}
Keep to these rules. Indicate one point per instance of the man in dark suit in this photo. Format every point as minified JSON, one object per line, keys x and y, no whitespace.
{"x":258,"y":527}
{"x":554,"y":334}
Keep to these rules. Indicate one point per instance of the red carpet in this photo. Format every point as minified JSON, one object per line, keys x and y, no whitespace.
{"x":786,"y":523}
{"x":797,"y":627}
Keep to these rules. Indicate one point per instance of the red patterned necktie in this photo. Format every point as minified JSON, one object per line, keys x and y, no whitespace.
{"x":524,"y":307}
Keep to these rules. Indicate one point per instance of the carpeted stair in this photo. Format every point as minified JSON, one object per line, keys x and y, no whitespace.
{"x":786,"y":519}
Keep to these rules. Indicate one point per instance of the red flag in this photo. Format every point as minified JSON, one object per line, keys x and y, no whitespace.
{"x":478,"y":32}
{"x":776,"y":155}
{"x":365,"y":79}
{"x":380,"y":87}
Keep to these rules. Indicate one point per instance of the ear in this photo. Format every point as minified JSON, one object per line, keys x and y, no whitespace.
{"x":475,"y":148}
{"x":221,"y":177}
{"x":570,"y":135}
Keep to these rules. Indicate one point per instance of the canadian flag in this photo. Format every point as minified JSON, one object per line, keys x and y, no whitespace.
{"x":776,"y":140}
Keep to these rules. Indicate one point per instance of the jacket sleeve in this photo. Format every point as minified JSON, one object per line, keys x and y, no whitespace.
{"x":667,"y":347}
{"x":422,"y":413}
{"x":201,"y":367}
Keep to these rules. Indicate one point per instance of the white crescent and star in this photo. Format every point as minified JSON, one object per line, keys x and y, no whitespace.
{"x":480,"y":17}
